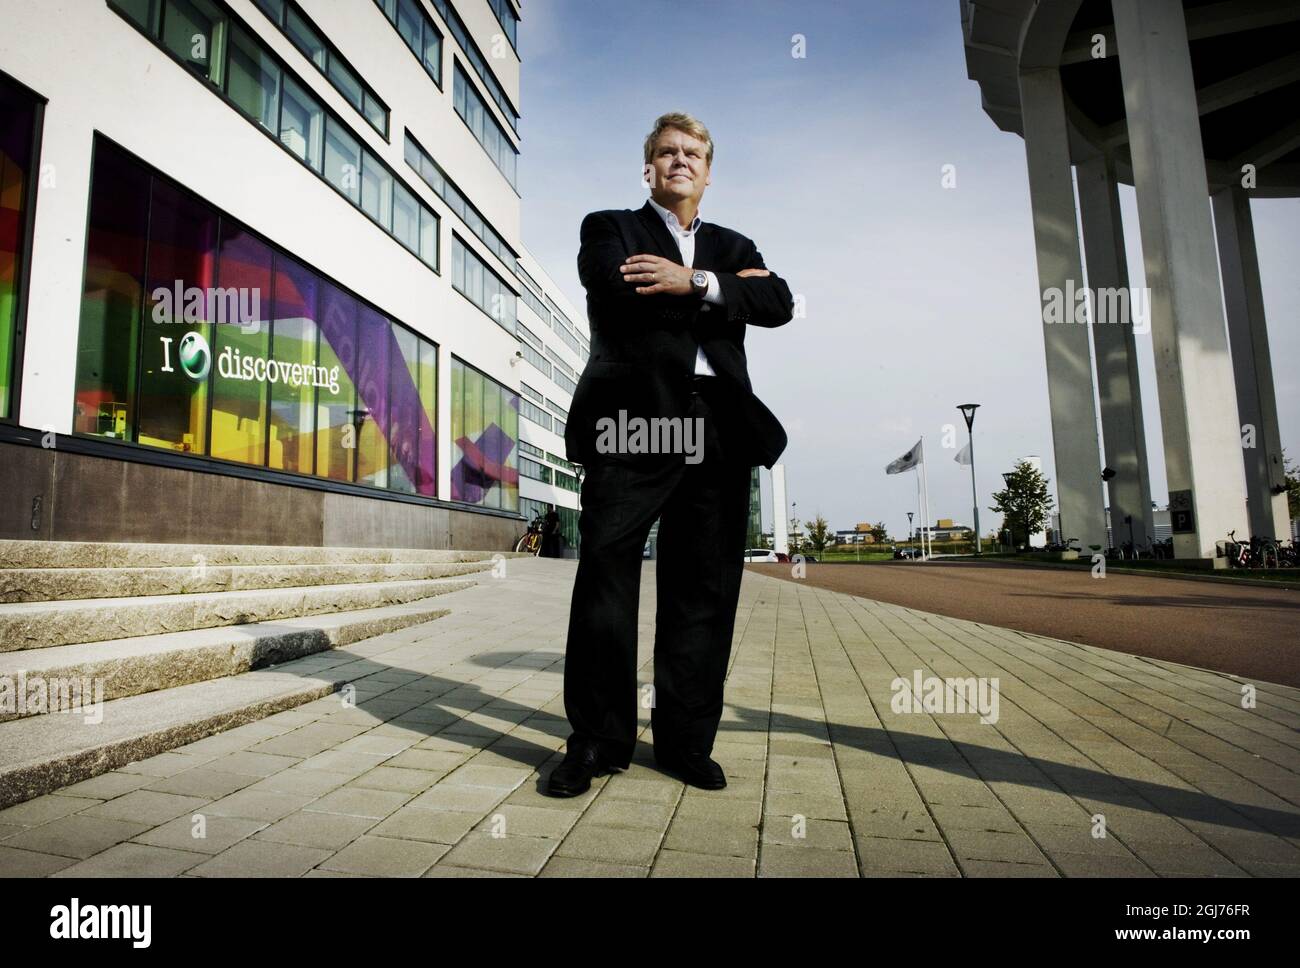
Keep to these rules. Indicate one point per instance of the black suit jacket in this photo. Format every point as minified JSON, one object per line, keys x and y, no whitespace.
{"x":643,"y":347}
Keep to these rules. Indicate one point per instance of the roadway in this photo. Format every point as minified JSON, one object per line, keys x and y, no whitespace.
{"x":1252,"y":632}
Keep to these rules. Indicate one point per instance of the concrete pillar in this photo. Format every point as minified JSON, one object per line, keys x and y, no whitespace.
{"x":1070,"y":393}
{"x":780,"y":512}
{"x":1114,"y":332}
{"x":1198,"y":405}
{"x":1243,"y":296}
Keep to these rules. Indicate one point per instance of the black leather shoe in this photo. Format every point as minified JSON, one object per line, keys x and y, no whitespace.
{"x":696,"y":768}
{"x":573,"y":776}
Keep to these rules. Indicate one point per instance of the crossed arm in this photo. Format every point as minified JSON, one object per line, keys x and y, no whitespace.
{"x":653,"y":285}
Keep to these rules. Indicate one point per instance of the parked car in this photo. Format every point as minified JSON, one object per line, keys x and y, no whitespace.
{"x":645,"y":552}
{"x":907,"y":553}
{"x":760,"y":554}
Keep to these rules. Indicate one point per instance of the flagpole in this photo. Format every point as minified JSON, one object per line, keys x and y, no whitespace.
{"x":925,"y":484}
{"x":920,"y":512}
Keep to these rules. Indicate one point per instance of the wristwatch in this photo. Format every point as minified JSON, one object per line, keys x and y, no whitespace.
{"x":699,"y":282}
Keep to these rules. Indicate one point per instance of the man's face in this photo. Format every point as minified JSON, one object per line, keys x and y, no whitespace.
{"x":678,"y":169}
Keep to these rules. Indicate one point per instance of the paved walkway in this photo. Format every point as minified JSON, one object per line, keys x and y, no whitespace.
{"x":436,"y":770}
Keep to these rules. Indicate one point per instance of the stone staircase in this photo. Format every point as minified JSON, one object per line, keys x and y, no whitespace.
{"x":112,"y":652}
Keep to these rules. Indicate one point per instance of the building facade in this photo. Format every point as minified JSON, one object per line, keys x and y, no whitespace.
{"x":262,"y":280}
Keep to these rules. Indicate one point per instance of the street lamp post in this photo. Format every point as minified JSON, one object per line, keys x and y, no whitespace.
{"x":909,"y":531}
{"x":968,"y":411}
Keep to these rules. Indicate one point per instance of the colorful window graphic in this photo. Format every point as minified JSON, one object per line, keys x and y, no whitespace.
{"x":200,"y":337}
{"x":17,"y":130}
{"x":485,"y":437}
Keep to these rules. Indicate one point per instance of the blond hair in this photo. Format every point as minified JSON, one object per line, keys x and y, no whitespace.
{"x":682,"y":122}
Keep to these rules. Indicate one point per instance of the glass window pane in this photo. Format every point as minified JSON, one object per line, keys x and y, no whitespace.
{"x":302,"y":123}
{"x":376,"y":113}
{"x":376,"y":191}
{"x":404,"y":410}
{"x":109,"y":338}
{"x":305,"y":38}
{"x":347,"y":83}
{"x":374,"y":340}
{"x":273,"y":9}
{"x":491,"y":444}
{"x":178,"y":332}
{"x":194,"y":30}
{"x":239,"y":403}
{"x":254,"y":81}
{"x":342,"y":161}
{"x":429,"y":236}
{"x":509,"y":443}
{"x":433,"y":53}
{"x":142,"y":12}
{"x":291,"y":372}
{"x":458,"y":264}
{"x":428,"y":378}
{"x":409,"y":23}
{"x":336,"y":406}
{"x":406,"y":217}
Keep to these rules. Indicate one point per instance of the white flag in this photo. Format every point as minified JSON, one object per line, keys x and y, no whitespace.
{"x":963,"y":455}
{"x":907,"y":461}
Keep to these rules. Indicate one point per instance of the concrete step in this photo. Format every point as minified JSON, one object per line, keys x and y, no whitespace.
{"x":61,"y":584}
{"x":70,"y":680}
{"x":95,"y":554}
{"x":43,"y":753}
{"x":39,"y":625}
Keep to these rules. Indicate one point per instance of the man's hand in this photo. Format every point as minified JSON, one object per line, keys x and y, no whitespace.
{"x":659,"y":275}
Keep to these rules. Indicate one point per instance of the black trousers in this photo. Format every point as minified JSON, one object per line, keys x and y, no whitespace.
{"x":702,"y":510}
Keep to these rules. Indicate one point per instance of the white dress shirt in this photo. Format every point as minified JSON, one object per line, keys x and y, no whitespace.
{"x":686,"y":244}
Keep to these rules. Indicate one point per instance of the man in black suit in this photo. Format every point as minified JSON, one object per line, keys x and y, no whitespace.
{"x":668,"y":308}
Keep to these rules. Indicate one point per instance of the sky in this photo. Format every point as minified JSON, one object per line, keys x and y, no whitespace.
{"x":918,"y":297}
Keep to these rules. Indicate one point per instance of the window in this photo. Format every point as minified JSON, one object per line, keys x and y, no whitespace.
{"x":302,"y":124}
{"x":418,"y":32}
{"x":18,"y":117}
{"x":343,"y":161}
{"x":435,"y":178}
{"x":485,"y":434}
{"x":535,"y":413}
{"x":289,"y":371}
{"x":469,"y":105}
{"x":508,"y":19}
{"x":477,"y":61}
{"x":259,"y":85}
{"x":195,"y":31}
{"x":377,"y":191}
{"x":254,"y":84}
{"x":471,"y":277}
{"x":304,"y":35}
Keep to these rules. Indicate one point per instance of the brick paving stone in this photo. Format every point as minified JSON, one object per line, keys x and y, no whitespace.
{"x":218,"y":833}
{"x":413,"y":822}
{"x":678,"y":863}
{"x":262,"y":859}
{"x":779,"y":860}
{"x":30,"y":863}
{"x":712,"y":837}
{"x":146,"y":806}
{"x":514,"y":854}
{"x":580,"y":867}
{"x":330,"y":831}
{"x":635,"y":848}
{"x":76,"y":836}
{"x":879,"y":855}
{"x":384,"y":857}
{"x":135,"y":860}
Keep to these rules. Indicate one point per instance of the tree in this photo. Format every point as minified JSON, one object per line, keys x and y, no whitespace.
{"x":1024,"y":503}
{"x":879,"y":531}
{"x":819,"y":534}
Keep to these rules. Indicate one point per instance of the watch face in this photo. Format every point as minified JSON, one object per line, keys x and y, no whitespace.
{"x":700,"y":279}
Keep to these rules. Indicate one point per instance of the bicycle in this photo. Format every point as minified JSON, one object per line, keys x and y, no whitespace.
{"x":531,"y":540}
